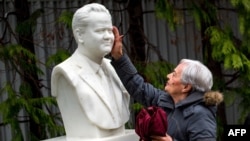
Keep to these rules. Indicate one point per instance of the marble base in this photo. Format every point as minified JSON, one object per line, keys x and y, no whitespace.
{"x":129,"y":135}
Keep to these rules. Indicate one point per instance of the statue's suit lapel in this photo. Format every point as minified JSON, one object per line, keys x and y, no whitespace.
{"x":91,"y":78}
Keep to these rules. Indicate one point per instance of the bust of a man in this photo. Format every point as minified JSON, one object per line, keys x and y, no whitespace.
{"x":91,"y":98}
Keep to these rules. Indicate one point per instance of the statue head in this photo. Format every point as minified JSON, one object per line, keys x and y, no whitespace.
{"x":92,"y":29}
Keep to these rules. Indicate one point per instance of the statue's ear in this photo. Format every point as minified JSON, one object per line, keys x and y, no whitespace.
{"x":79,"y":35}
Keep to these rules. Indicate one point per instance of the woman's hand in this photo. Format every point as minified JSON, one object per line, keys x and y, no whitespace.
{"x":160,"y":138}
{"x":116,"y":51}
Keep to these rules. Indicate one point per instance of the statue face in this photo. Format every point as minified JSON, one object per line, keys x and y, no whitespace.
{"x":98,"y":38}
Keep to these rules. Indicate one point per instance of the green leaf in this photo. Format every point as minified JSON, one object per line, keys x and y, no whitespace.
{"x":236,"y":61}
{"x":246,"y":4}
{"x":228,"y":47}
{"x":57,"y":58}
{"x":66,"y":18}
{"x":164,"y":10}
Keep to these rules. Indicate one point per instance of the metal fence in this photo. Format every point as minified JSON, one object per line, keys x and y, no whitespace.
{"x":185,"y":42}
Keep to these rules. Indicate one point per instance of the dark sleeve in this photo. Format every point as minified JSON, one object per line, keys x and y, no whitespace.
{"x":141,"y":91}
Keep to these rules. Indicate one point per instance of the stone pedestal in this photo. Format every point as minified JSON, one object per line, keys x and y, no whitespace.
{"x":129,"y":135}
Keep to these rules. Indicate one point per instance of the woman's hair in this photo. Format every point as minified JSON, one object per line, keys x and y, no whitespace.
{"x":82,"y":16}
{"x":196,"y":74}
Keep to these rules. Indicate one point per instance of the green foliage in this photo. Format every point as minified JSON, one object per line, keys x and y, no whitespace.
{"x":241,"y":3}
{"x":9,"y":110}
{"x":243,"y":11}
{"x":232,"y":52}
{"x":164,"y":10}
{"x":226,"y":50}
{"x":13,"y":52}
{"x":203,"y":12}
{"x":21,"y":101}
{"x":28,"y":26}
{"x":66,"y":18}
{"x":244,"y":92}
{"x":242,"y":96}
{"x":155,"y":72}
{"x":58,"y":57}
{"x":21,"y":105}
{"x":137,"y":107}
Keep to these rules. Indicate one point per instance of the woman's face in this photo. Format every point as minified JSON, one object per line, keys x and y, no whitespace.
{"x":174,"y":86}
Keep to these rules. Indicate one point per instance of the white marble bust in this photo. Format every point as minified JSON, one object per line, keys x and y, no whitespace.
{"x":92,"y":100}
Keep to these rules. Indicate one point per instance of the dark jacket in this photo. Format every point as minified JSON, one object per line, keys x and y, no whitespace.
{"x":193,"y":119}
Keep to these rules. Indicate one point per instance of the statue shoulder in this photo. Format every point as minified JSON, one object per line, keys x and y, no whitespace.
{"x":66,"y":70}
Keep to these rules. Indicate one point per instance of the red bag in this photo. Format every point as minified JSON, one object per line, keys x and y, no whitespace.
{"x":151,"y":121}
